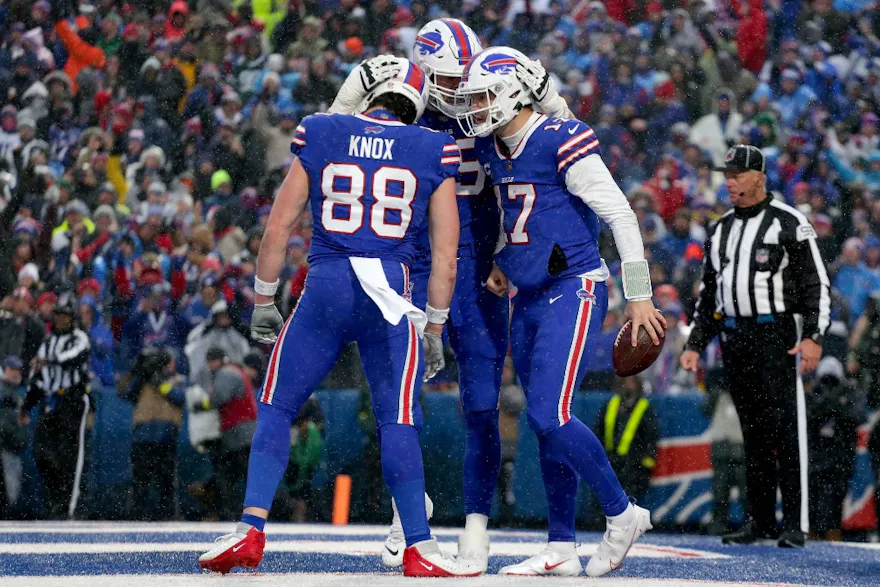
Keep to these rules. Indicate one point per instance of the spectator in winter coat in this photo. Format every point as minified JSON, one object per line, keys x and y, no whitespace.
{"x":854,"y":280}
{"x":175,"y":26}
{"x":834,"y":411}
{"x":751,"y":33}
{"x":13,"y":435}
{"x":81,"y":52}
{"x":153,"y":324}
{"x":101,"y":359}
{"x":156,"y":390}
{"x":229,"y":391}
{"x":715,"y":132}
{"x":21,"y":331}
{"x":219,"y":332}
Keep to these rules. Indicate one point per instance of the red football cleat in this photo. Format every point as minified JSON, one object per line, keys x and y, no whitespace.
{"x":235,"y":550}
{"x":425,"y":559}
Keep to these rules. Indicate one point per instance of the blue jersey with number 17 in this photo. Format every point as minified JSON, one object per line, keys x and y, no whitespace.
{"x":371,"y":178}
{"x":550,"y":233}
{"x":477,"y":209}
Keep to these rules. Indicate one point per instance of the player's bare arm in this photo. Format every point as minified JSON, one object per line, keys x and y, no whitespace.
{"x":443,"y":227}
{"x":292,"y":197}
{"x":443,"y":230}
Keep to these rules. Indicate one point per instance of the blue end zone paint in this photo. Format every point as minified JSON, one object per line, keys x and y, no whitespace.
{"x":819,"y":563}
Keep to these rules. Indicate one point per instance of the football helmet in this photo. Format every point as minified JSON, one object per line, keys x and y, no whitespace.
{"x":444,"y":47}
{"x":409,"y":82}
{"x":490,"y":93}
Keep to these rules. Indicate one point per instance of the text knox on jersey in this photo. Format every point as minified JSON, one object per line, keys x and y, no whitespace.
{"x":370,"y":147}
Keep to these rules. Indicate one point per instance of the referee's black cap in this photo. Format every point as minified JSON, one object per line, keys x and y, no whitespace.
{"x":744,"y":158}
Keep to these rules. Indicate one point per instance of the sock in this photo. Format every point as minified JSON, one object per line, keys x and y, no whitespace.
{"x":252,"y":520}
{"x":562,"y":547}
{"x":560,"y":485}
{"x":624,"y":518}
{"x":402,"y":469}
{"x":577,"y":444}
{"x":476,"y":523}
{"x":270,"y":452}
{"x":482,"y":461}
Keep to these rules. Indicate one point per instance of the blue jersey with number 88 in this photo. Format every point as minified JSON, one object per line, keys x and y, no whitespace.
{"x":371,"y":178}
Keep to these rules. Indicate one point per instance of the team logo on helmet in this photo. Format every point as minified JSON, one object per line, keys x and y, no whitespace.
{"x":499,"y":63}
{"x":429,"y":43}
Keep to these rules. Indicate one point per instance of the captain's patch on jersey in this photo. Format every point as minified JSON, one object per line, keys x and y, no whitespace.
{"x":805,"y":231}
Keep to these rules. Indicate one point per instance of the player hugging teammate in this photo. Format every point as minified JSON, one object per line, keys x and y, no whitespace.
{"x":498,"y":112}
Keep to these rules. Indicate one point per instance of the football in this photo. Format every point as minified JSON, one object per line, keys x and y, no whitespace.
{"x":631,"y":360}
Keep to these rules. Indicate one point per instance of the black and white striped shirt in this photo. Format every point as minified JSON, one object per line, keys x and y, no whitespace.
{"x":65,"y":364}
{"x":762,"y":260}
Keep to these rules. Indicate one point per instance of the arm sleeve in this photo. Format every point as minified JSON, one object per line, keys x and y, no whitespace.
{"x":705,"y":326}
{"x":590,"y":180}
{"x":350,"y":94}
{"x":812,"y":279}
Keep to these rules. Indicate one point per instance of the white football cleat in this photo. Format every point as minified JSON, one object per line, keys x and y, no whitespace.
{"x":617,"y":542}
{"x":473,"y":551}
{"x":548,"y":562}
{"x":395,"y":544}
{"x":425,"y":559}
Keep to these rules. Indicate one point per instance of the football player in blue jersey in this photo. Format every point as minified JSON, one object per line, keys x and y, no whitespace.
{"x":369,"y":180}
{"x":553,"y":188}
{"x":478,"y":329}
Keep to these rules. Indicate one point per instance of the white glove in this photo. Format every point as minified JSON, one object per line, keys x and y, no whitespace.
{"x":539,"y":83}
{"x":533,"y":76}
{"x":432,"y":344}
{"x":361,"y":81}
{"x":266,"y":323}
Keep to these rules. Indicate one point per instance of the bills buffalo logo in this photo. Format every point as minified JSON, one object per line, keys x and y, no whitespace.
{"x":586,"y":296}
{"x":730,"y":155}
{"x":429,"y":43}
{"x":374,"y":130}
{"x":499,"y":63}
{"x":762,"y":255}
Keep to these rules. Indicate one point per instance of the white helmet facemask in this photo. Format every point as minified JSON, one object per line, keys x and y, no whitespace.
{"x":490,"y":94}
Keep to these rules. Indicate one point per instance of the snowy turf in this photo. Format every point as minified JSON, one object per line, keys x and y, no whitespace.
{"x":92,"y":553}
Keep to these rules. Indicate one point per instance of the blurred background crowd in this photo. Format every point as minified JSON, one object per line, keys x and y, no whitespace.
{"x":141,"y":145}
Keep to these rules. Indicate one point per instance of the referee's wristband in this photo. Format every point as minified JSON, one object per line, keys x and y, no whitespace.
{"x":436,"y":316}
{"x":264,"y":288}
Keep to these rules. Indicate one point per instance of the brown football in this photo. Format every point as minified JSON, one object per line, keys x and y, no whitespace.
{"x":631,"y":360}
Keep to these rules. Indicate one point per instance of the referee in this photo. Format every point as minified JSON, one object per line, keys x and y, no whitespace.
{"x":766,"y":292}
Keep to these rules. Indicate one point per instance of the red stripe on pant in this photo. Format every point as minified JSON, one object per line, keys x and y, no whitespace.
{"x":580,"y":339}
{"x":271,"y":376}
{"x":409,"y":374}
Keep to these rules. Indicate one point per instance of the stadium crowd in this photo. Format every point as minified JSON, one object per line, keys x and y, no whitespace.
{"x":141,"y":144}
